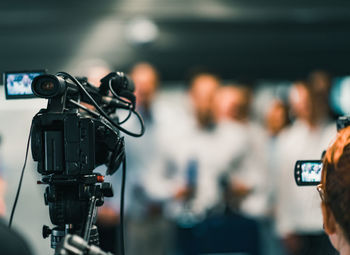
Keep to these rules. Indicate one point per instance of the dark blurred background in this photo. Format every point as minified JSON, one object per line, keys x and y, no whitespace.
{"x":255,"y":39}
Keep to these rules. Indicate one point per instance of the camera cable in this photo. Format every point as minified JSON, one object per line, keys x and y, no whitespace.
{"x":122,"y":194}
{"x":99,"y":109}
{"x":116,"y":95}
{"x":126,"y":118}
{"x":21,"y":178}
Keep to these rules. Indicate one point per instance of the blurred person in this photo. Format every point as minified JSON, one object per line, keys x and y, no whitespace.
{"x":202,"y":91}
{"x":233,"y":135}
{"x":183,"y":177}
{"x":186,"y":176}
{"x":334,"y":191}
{"x":192,"y":155}
{"x":200,"y":154}
{"x":248,"y":187}
{"x":320,"y":83}
{"x":276,"y":121}
{"x":146,"y":81}
{"x":298,"y":220}
{"x":226,"y":143}
{"x":229,"y":104}
{"x":198,"y":164}
{"x":276,"y":118}
{"x":247,"y":179}
{"x":233,"y":230}
{"x":147,"y":230}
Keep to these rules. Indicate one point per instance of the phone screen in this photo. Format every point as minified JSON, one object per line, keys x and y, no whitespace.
{"x":308,"y":172}
{"x":311,"y":172}
{"x":18,"y":84}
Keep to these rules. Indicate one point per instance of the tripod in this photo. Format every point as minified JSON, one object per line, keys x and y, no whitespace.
{"x":73,"y":205}
{"x":75,"y":245}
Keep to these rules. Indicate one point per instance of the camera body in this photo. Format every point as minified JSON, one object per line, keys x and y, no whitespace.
{"x":77,"y":132}
{"x":63,"y":143}
{"x":68,"y":147}
{"x":69,"y":144}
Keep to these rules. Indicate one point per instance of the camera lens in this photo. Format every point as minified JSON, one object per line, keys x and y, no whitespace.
{"x":48,"y":86}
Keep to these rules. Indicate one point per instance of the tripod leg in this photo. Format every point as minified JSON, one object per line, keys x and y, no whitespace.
{"x":90,"y":218}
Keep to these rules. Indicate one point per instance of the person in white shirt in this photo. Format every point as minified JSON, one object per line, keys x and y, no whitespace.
{"x":298,"y":218}
{"x":184,"y":178}
{"x":147,"y":230}
{"x":247,"y":139}
{"x":188,"y":160}
{"x":244,"y":161}
{"x":276,"y":121}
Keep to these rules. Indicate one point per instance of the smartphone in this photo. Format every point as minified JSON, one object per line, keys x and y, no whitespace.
{"x":308,"y":172}
{"x":18,"y":85}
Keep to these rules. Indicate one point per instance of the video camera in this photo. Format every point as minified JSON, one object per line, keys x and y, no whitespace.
{"x":77,"y":132}
{"x":308,"y":172}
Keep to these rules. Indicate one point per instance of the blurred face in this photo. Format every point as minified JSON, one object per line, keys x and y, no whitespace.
{"x":301,"y":102}
{"x":321,"y":86}
{"x":276,"y":118}
{"x":321,"y":83}
{"x":240,"y":104}
{"x":145,"y":79}
{"x":222,"y":104}
{"x":202,"y":94}
{"x":231,"y":103}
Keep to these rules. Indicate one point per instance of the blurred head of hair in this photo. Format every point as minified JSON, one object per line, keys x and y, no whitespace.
{"x":276,"y":118}
{"x":301,"y":102}
{"x":222,"y":103}
{"x":336,"y":189}
{"x":320,"y":84}
{"x":146,"y":78}
{"x":232,"y":103}
{"x":202,"y":92}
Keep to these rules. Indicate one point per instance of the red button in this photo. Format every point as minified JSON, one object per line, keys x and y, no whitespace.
{"x":100,"y":178}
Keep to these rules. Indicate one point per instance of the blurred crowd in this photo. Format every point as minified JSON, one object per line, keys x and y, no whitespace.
{"x":213,"y":180}
{"x":208,"y":178}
